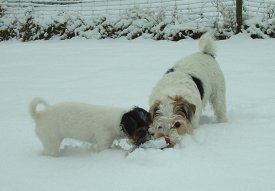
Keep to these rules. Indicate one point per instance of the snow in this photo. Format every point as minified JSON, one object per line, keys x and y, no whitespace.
{"x":238,"y":155}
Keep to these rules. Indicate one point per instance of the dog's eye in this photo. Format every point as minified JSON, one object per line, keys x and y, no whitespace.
{"x":177,"y":124}
{"x":159,"y":127}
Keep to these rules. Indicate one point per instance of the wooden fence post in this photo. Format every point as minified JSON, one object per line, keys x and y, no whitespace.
{"x":239,"y":15}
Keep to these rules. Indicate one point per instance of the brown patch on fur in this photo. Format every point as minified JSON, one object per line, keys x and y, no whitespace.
{"x":154,"y":108}
{"x":183,"y":107}
{"x":185,"y":128}
{"x":139,"y":136}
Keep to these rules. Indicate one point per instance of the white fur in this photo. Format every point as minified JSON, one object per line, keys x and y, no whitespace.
{"x":207,"y":45}
{"x":202,"y":65}
{"x":85,"y":122}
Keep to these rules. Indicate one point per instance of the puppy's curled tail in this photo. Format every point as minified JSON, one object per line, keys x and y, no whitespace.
{"x":207,"y":44}
{"x":33,"y":107}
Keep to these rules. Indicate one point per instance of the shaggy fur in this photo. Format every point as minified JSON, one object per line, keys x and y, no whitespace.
{"x":177,"y":100}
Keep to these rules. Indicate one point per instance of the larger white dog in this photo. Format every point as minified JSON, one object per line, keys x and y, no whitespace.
{"x":177,"y":100}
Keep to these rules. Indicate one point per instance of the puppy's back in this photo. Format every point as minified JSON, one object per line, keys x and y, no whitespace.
{"x":79,"y":121}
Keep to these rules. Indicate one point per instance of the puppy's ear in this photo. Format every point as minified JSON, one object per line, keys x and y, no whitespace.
{"x":154,"y":108}
{"x":183,"y":107}
{"x":128,"y":124}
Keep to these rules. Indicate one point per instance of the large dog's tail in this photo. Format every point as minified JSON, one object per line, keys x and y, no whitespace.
{"x":33,"y":107}
{"x":207,"y":44}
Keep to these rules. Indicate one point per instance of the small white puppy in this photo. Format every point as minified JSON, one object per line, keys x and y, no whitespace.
{"x":177,"y":100}
{"x":85,"y":122}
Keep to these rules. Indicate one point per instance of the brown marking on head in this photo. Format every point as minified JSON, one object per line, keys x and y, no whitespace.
{"x":185,"y":127}
{"x":140,"y":136}
{"x":186,"y":110}
{"x":183,"y":107}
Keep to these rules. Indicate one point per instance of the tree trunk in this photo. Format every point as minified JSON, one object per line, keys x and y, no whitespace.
{"x":239,"y":15}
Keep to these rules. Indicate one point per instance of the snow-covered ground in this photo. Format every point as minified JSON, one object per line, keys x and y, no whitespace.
{"x":234,"y":156}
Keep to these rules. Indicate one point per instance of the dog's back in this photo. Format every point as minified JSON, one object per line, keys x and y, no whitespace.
{"x":203,"y":60}
{"x":204,"y":66}
{"x":72,"y":118}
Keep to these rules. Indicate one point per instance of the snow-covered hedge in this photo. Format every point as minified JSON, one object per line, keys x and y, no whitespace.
{"x":260,"y":28}
{"x":136,"y":22}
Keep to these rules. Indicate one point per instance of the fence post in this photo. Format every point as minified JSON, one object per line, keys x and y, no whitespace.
{"x":239,"y":15}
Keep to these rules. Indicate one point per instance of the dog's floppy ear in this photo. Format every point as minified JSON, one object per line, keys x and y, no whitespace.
{"x":189,"y":109}
{"x":183,"y":107}
{"x":154,"y":108}
{"x":128,"y":124}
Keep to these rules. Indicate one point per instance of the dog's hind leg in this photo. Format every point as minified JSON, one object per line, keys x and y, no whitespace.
{"x":219,"y":106}
{"x":51,"y":145}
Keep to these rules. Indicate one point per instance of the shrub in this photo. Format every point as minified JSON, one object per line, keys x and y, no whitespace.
{"x":133,"y":23}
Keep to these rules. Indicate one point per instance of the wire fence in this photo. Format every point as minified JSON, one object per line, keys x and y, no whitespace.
{"x":88,"y":8}
{"x":156,"y":19}
{"x":102,"y":7}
